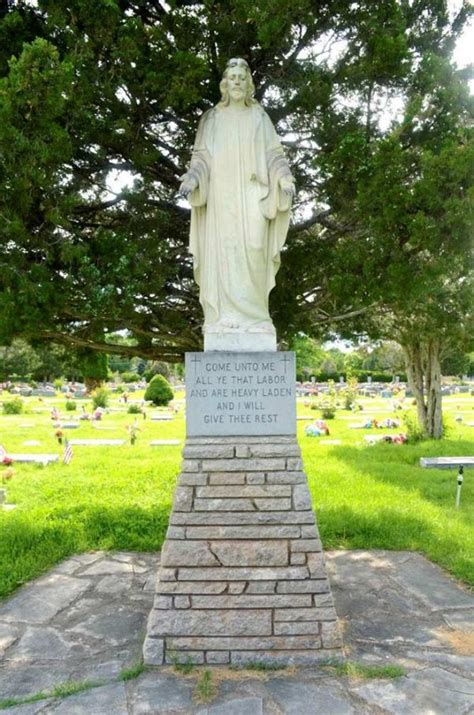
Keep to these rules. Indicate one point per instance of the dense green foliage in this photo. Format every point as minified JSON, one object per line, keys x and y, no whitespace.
{"x":100,"y":397}
{"x":96,"y":89}
{"x":159,"y":391}
{"x":134,"y":410}
{"x":130,"y":377}
{"x":93,"y":367}
{"x":12,"y":407}
{"x":120,"y":497}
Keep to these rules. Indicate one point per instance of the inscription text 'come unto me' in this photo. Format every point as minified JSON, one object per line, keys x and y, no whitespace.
{"x":234,"y":395}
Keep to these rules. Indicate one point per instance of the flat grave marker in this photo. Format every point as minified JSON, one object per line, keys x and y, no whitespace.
{"x":43,"y":459}
{"x":97,"y":442}
{"x":372,"y":438}
{"x":446,"y":462}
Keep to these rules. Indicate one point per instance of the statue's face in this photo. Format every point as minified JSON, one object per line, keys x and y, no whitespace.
{"x":237,"y":83}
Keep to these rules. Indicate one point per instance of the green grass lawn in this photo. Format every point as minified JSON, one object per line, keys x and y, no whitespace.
{"x":120,"y":497}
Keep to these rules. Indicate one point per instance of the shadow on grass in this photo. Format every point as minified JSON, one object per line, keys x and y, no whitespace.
{"x":33,"y":542}
{"x":398,"y":466}
{"x":393,"y":529}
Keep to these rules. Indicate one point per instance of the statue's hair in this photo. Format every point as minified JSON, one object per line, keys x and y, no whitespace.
{"x":250,"y":87}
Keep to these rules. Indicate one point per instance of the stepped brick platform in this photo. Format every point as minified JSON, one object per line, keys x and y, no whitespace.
{"x":242,"y":576}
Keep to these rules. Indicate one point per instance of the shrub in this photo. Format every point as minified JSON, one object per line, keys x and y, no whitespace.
{"x":70,"y":405}
{"x":156,"y":368}
{"x":58,"y":383}
{"x":350,"y":393}
{"x":328,"y":404}
{"x":134,"y":410}
{"x":130,"y":377}
{"x":413,"y":428}
{"x":159,"y":391}
{"x":328,"y":412}
{"x":13,"y":407}
{"x":100,"y":397}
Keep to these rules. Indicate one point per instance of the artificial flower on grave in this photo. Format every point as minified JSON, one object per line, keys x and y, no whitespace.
{"x":133,"y":431}
{"x":7,"y":461}
{"x":7,"y":474}
{"x":59,"y":435}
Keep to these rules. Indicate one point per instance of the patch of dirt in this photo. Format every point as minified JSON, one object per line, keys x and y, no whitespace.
{"x":462,"y":642}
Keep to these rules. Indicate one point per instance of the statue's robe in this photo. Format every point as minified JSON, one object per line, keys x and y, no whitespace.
{"x":240,"y":216}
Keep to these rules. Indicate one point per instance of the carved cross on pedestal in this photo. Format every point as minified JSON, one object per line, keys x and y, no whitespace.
{"x":285,"y":360}
{"x":195,"y":360}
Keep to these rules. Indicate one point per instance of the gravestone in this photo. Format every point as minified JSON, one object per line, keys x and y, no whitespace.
{"x":242,"y":576}
{"x":446,"y":462}
{"x":43,"y":459}
{"x":97,"y":442}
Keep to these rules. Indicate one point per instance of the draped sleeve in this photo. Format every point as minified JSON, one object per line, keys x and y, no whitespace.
{"x":272,"y":165}
{"x":200,"y":168}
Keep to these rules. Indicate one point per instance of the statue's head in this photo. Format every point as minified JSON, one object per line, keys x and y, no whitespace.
{"x":237,"y":66}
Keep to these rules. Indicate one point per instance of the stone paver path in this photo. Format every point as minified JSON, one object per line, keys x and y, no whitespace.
{"x":85,"y":621}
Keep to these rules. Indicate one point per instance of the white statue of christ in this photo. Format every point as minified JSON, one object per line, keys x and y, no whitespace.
{"x":240,"y":189}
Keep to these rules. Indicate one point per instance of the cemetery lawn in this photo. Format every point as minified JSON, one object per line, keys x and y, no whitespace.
{"x":119,"y":498}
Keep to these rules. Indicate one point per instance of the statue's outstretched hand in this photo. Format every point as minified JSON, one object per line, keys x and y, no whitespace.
{"x":287,"y":185}
{"x":188,"y":184}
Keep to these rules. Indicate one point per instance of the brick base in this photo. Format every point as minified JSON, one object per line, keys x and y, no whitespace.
{"x":242,"y":576}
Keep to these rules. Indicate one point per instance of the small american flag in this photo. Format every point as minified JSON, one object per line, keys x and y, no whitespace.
{"x":67,"y":452}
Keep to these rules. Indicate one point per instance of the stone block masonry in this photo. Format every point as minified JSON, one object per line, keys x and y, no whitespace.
{"x":242,"y":576}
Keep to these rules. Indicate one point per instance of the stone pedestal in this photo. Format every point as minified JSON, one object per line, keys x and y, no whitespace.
{"x":242,"y":576}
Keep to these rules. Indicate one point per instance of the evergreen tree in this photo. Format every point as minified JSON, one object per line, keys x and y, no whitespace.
{"x":92,"y":89}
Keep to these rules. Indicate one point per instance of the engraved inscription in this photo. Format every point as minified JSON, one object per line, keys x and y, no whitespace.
{"x":238,"y":393}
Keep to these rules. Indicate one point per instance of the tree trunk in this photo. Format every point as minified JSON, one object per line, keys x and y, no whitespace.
{"x":434,"y":415}
{"x":424,"y":379}
{"x":92,"y":383}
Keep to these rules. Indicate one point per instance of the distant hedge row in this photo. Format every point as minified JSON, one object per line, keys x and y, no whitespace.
{"x":361,"y":376}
